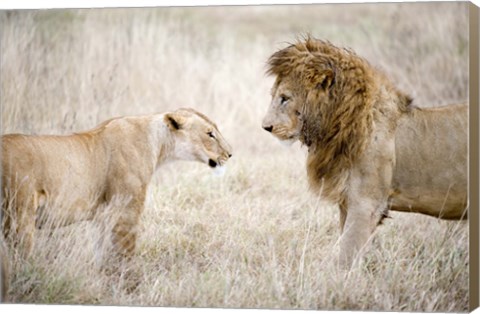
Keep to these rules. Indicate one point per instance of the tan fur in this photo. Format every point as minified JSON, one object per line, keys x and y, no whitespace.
{"x":431,"y":172}
{"x":63,"y":179}
{"x":368,"y":148}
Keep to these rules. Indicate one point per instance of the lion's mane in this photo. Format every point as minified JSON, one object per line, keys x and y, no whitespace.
{"x":337,"y":125}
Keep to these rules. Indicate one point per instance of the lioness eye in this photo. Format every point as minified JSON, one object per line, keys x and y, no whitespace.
{"x":211,"y":134}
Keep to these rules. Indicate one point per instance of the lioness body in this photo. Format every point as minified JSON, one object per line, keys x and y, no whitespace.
{"x":369,"y":150}
{"x":38,"y":169}
{"x":63,"y":179}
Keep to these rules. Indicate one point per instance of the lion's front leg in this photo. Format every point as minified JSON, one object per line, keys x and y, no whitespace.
{"x":366,"y":200}
{"x":360,"y":223}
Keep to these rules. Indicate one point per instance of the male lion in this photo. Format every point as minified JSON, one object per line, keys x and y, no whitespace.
{"x":369,"y":150}
{"x":63,"y":179}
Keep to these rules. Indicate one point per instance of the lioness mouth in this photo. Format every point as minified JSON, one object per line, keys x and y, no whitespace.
{"x":212,"y":163}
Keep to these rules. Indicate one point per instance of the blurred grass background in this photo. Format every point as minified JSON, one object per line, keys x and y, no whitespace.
{"x":255,"y":238}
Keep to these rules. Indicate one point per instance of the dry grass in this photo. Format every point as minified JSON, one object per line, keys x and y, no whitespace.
{"x":254,"y":238}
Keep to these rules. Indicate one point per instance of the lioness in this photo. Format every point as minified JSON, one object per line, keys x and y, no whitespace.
{"x":369,"y":149}
{"x":68,"y":178}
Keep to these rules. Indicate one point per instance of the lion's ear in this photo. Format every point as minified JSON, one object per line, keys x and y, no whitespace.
{"x":325,"y":79}
{"x":320,"y":72}
{"x":173,"y":121}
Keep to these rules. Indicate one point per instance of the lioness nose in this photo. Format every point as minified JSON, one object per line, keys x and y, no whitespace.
{"x":268,"y":128}
{"x":229,"y":155}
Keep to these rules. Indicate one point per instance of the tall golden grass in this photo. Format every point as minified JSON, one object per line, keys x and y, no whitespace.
{"x":254,"y":238}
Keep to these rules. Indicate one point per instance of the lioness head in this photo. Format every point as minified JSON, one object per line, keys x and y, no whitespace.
{"x":197,"y":138}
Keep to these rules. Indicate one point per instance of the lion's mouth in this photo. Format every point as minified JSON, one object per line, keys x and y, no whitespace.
{"x":287,"y":139}
{"x":283,"y":136}
{"x":288,"y":142}
{"x":212,"y":163}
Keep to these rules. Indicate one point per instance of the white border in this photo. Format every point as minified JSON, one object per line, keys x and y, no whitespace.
{"x":50,"y":4}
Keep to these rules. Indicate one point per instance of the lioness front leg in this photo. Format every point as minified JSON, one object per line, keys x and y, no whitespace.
{"x":126,"y":198}
{"x":124,"y":232}
{"x":23,"y":221}
{"x":124,"y":238}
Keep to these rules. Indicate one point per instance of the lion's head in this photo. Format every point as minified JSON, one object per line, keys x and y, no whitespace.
{"x":324,"y":96}
{"x":197,"y":138}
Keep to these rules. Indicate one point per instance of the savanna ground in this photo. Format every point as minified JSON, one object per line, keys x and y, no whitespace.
{"x":255,"y":237}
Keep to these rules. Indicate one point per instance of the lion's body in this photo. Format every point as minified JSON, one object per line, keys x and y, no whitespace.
{"x":431,"y":174}
{"x":63,"y":179}
{"x":368,"y":149}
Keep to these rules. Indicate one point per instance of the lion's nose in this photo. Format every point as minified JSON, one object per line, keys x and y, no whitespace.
{"x":229,"y":155}
{"x":268,"y":128}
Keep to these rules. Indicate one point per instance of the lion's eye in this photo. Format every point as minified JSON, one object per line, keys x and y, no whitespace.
{"x":211,"y":134}
{"x":283,"y":100}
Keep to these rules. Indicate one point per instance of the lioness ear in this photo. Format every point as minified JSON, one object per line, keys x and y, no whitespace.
{"x":174,"y":122}
{"x":325,"y":79}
